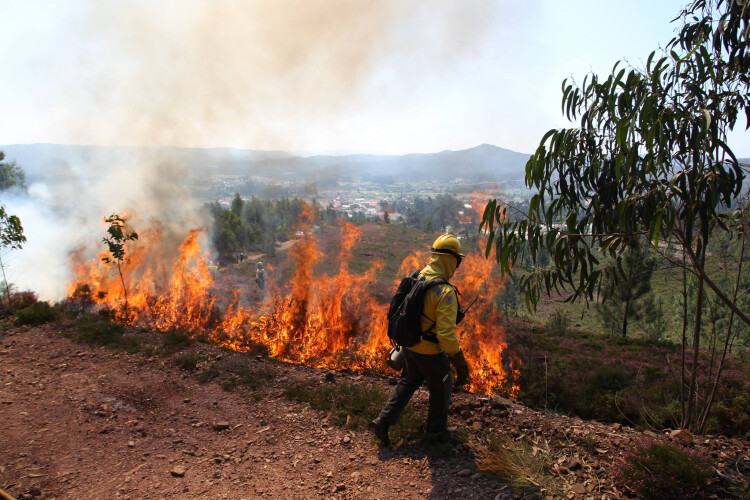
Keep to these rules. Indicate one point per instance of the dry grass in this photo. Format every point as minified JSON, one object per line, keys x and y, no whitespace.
{"x":521,"y":464}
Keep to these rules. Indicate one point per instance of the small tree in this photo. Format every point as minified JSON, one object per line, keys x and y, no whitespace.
{"x":648,"y":160}
{"x":11,"y":237}
{"x":625,"y":300}
{"x":116,"y":245}
{"x":11,"y":175}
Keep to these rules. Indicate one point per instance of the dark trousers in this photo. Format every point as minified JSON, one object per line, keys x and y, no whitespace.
{"x":435,"y":369}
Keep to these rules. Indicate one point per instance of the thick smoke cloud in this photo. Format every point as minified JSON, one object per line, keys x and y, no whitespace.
{"x":63,"y":211}
{"x":186,"y":72}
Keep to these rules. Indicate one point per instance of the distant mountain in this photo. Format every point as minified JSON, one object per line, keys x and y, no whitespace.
{"x":482,"y":163}
{"x":39,"y":159}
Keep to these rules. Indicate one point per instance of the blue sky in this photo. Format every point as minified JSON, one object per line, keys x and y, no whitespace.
{"x":321,"y":76}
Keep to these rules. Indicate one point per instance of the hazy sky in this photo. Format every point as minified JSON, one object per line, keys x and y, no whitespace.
{"x":310,"y":75}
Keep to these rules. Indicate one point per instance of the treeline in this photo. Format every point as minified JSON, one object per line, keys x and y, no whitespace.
{"x":257,"y":224}
{"x":430,"y":214}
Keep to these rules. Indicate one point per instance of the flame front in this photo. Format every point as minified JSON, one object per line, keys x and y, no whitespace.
{"x":325,"y":321}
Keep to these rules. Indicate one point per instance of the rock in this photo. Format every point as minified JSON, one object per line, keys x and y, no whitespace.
{"x":131,"y":444}
{"x":217,"y":473}
{"x":617,"y":427}
{"x":178,"y":471}
{"x":500,"y":403}
{"x":220,"y":426}
{"x":464,"y":473}
{"x":346,"y":440}
{"x":682,"y":436}
{"x":578,"y":489}
{"x":651,"y":433}
{"x":574,"y":464}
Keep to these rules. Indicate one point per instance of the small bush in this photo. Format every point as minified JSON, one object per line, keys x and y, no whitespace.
{"x":354,"y":405}
{"x":188,"y":361}
{"x":518,"y":463}
{"x":173,"y":340}
{"x":18,"y":300}
{"x":657,"y":470}
{"x":558,"y":323}
{"x":35,"y":314}
{"x":98,"y":330}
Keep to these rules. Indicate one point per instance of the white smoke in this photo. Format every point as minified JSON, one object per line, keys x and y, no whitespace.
{"x":64,"y":211}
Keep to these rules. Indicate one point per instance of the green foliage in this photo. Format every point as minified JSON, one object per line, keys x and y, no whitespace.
{"x":188,"y":361}
{"x":11,"y":237}
{"x":11,"y":230}
{"x":98,"y":330}
{"x":650,"y":159}
{"x":627,"y":300}
{"x":430,"y":214}
{"x":174,"y":340}
{"x":116,"y":240}
{"x":353,"y":405}
{"x":734,"y":413}
{"x":235,"y":372}
{"x":115,"y":243}
{"x":658,"y":470}
{"x":11,"y":175}
{"x":558,"y":322}
{"x":257,"y":224}
{"x":35,"y":314}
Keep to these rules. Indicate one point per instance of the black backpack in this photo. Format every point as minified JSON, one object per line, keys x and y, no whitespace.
{"x":405,"y":311}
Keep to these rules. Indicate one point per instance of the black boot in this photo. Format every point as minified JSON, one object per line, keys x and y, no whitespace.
{"x":380,"y":429}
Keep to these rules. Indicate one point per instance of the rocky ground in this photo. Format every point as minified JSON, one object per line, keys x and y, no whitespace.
{"x":86,"y":422}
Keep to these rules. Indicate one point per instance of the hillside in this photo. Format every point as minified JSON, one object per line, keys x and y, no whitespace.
{"x":482,"y":163}
{"x":93,"y":422}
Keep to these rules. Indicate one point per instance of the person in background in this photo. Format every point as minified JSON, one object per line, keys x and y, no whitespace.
{"x":260,"y":276}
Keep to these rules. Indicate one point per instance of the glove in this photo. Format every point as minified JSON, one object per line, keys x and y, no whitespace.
{"x":462,"y":369}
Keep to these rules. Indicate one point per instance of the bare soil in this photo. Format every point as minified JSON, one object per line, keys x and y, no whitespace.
{"x":86,"y":422}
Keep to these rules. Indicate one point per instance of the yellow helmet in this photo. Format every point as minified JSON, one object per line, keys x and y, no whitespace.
{"x":448,"y":244}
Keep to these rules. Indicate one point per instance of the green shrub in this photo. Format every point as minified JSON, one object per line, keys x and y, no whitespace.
{"x":35,"y":314}
{"x":558,"y":322}
{"x":98,"y":330}
{"x":18,"y":300}
{"x":238,"y":373}
{"x":188,"y":360}
{"x":734,"y":413}
{"x":356,"y":405}
{"x":173,"y":340}
{"x":349,"y":404}
{"x":658,"y":470}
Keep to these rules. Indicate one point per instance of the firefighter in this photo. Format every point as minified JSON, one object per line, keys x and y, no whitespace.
{"x":429,"y":360}
{"x":260,"y":276}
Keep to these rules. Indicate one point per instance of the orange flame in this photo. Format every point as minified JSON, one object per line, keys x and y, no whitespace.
{"x":326,"y":321}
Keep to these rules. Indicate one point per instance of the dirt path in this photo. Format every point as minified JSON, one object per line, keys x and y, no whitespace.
{"x":80,"y":422}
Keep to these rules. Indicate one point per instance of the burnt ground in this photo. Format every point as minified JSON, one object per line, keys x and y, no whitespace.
{"x":87,"y":422}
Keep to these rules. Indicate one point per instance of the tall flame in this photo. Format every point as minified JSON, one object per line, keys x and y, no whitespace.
{"x":328,"y":321}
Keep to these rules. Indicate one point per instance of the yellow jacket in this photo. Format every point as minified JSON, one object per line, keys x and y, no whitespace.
{"x":440,"y":307}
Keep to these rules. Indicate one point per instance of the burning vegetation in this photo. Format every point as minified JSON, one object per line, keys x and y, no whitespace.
{"x":325,"y":320}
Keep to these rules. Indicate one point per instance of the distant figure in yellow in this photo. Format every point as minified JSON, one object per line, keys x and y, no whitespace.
{"x":260,"y":276}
